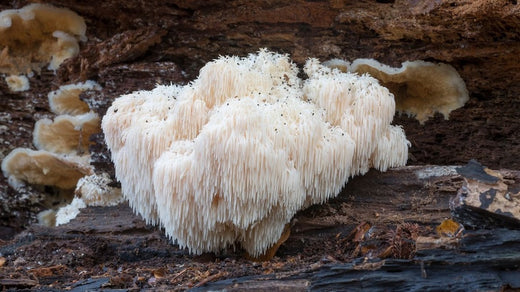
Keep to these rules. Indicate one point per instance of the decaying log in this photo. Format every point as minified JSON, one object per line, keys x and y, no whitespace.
{"x":465,"y":269}
{"x":346,"y":242}
{"x":487,"y":198}
{"x":135,"y":44}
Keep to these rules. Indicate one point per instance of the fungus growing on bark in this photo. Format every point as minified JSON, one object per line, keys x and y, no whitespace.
{"x":421,"y":88}
{"x":38,"y":34}
{"x":66,"y":134}
{"x":69,"y":212}
{"x":44,"y":168}
{"x":71,"y":129}
{"x":95,"y":190}
{"x":66,"y":101}
{"x":232,"y":156}
{"x":17,"y":83}
{"x":91,"y":190}
{"x":364,"y":110}
{"x":339,"y":64}
{"x":62,"y":159}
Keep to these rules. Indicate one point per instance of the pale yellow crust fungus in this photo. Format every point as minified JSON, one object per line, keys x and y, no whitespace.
{"x":231,"y":157}
{"x":36,"y":35}
{"x":44,"y":168}
{"x":66,"y":134}
{"x":421,"y":88}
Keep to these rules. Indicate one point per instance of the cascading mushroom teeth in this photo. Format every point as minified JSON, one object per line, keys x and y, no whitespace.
{"x":231,"y":157}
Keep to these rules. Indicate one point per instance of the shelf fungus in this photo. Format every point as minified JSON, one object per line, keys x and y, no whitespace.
{"x":66,"y":134}
{"x":421,"y":88}
{"x":37,"y":35}
{"x":66,"y":100}
{"x":43,"y":168}
{"x":62,"y":160}
{"x":231,"y":157}
{"x":17,"y":83}
{"x":70,"y":131}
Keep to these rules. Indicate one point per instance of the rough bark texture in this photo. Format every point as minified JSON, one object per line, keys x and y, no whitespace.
{"x":378,"y":233}
{"x":136,"y":44}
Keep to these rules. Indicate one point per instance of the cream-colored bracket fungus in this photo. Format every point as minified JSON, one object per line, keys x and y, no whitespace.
{"x":232,"y":156}
{"x":34,"y":36}
{"x":38,"y":34}
{"x":43,"y":168}
{"x":421,"y":88}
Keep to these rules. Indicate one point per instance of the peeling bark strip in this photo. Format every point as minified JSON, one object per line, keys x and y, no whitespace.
{"x":123,"y":47}
{"x":487,"y":199}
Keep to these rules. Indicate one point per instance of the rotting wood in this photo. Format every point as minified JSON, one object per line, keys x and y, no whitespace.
{"x":479,"y":38}
{"x":134,"y":45}
{"x":487,"y":198}
{"x":465,"y":269}
{"x":325,"y":250}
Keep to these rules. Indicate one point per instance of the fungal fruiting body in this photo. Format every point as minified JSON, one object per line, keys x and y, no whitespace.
{"x":17,"y":83}
{"x":421,"y":88}
{"x":34,"y":36}
{"x":70,"y":131}
{"x":62,"y":158}
{"x":91,"y":190}
{"x":65,"y":100}
{"x":38,"y":34}
{"x":232,"y":156}
{"x":44,"y":168}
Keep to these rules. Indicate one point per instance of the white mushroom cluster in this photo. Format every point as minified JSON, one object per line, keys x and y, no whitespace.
{"x":231,"y":157}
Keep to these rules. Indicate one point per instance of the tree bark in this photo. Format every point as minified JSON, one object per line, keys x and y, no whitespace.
{"x":378,"y":233}
{"x":133,"y":45}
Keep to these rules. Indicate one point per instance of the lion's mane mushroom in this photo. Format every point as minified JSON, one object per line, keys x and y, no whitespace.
{"x":232,"y":156}
{"x":421,"y":88}
{"x":364,"y":110}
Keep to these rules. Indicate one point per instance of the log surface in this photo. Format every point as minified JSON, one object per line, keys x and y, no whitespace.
{"x":133,"y":45}
{"x":343,"y":243}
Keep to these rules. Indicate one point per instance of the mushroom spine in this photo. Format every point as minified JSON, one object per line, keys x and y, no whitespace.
{"x":232,"y":156}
